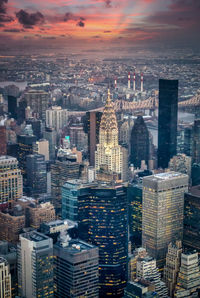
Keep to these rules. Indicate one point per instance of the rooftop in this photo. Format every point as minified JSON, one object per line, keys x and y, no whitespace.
{"x":166,"y":176}
{"x":76,"y":246}
{"x":58,"y":222}
{"x":34,"y":236}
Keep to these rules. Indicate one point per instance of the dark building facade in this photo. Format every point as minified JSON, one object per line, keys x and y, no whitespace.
{"x":106,"y":220}
{"x":188,"y":141}
{"x":12,"y":106}
{"x":195,"y":174}
{"x":196,"y":142}
{"x":139,"y":143}
{"x":167,"y":121}
{"x":36,"y":174}
{"x":191,"y":230}
{"x":134,"y":194}
{"x":3,"y":141}
{"x":91,"y":127}
{"x":36,"y":126}
{"x":76,"y":269}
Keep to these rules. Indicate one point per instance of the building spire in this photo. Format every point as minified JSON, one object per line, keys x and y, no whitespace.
{"x":108,"y":101}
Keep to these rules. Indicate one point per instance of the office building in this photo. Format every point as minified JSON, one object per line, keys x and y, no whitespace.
{"x":11,"y":225}
{"x":11,"y":184}
{"x":167,"y":121}
{"x":138,"y":253}
{"x":72,"y":192}
{"x":181,"y":163}
{"x":35,"y":265}
{"x":62,"y":170}
{"x":146,"y":269}
{"x":195,"y":176}
{"x":139,"y":143}
{"x":36,"y":214}
{"x":191,"y":224}
{"x":196,"y":142}
{"x":75,"y":269}
{"x":188,"y":135}
{"x":162,"y":213}
{"x":92,"y":125}
{"x":12,"y":106}
{"x":3,"y":143}
{"x":103,"y":214}
{"x":56,"y":117}
{"x":134,"y":194}
{"x":171,"y":269}
{"x":38,"y":101}
{"x":188,"y":281}
{"x":9,"y":253}
{"x":36,"y":126}
{"x":25,"y":147}
{"x":78,"y":138}
{"x":36,"y":174}
{"x":42,"y":147}
{"x":109,"y":154}
{"x":51,"y":136}
{"x":5,"y":279}
{"x":140,"y":288}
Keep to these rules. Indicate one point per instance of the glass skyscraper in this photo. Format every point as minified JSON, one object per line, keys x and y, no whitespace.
{"x":167,"y":121}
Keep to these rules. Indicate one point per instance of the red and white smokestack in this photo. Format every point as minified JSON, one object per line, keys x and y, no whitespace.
{"x":115,"y":83}
{"x":134,"y":82}
{"x":142,"y":82}
{"x":129,"y":80}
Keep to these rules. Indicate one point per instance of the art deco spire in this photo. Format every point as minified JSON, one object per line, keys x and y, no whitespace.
{"x":108,"y":119}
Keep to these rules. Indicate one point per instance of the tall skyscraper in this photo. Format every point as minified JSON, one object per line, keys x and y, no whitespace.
{"x":51,"y":135}
{"x":196,"y":142}
{"x":167,"y":121}
{"x":36,"y":174}
{"x":173,"y":262}
{"x":103,"y":214}
{"x":75,"y":269}
{"x":12,"y":106}
{"x":92,"y":125}
{"x":3,"y":143}
{"x":38,"y":101}
{"x":191,"y":236}
{"x":56,"y":117}
{"x":35,"y":265}
{"x":188,"y":281}
{"x":10,"y":181}
{"x":5,"y":279}
{"x":139,"y":143}
{"x":109,"y":154}
{"x":162,"y":212}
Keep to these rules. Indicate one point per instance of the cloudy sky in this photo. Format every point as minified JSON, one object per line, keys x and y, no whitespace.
{"x":89,"y":22}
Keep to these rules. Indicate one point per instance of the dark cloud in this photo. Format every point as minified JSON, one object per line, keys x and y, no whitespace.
{"x":107,"y":31}
{"x":4,"y":18}
{"x":13,"y":30}
{"x":80,"y":24}
{"x":96,"y":36}
{"x":108,"y":3}
{"x":49,"y":37}
{"x":3,"y":6}
{"x":29,"y":20}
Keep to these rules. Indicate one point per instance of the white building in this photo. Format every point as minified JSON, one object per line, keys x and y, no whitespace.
{"x":5,"y":279}
{"x":56,"y":117}
{"x":42,"y":147}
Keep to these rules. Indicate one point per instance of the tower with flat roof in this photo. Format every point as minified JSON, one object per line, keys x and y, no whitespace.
{"x":162,"y":213}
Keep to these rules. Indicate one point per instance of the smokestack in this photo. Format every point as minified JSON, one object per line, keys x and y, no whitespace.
{"x":129,"y":80}
{"x":134,"y":82}
{"x":115,"y":83}
{"x":142,"y":81}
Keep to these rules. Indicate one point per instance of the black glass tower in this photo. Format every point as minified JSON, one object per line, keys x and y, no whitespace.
{"x":139,"y":143}
{"x":167,"y":121}
{"x":12,"y":106}
{"x":104,"y":214}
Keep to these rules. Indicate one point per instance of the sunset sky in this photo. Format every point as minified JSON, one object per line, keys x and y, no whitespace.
{"x":75,"y":22}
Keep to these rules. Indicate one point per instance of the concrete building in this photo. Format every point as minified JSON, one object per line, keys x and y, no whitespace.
{"x":188,"y":282}
{"x":132,"y":264}
{"x":35,"y":265}
{"x":140,"y":289}
{"x":171,"y":269}
{"x":162,"y":213}
{"x":38,"y":101}
{"x":181,"y":163}
{"x":56,"y":117}
{"x":5,"y":279}
{"x":76,"y":269}
{"x":42,"y":147}
{"x":11,"y":184}
{"x":78,"y":138}
{"x":36,"y":214}
{"x":3,"y":143}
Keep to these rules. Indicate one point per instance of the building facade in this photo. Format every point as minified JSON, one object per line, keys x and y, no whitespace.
{"x":181,"y":163}
{"x":5,"y":279}
{"x":76,"y":269}
{"x":11,"y":185}
{"x":42,"y":147}
{"x":56,"y":117}
{"x":3,"y":143}
{"x":35,"y":265}
{"x":196,"y":142}
{"x":38,"y":101}
{"x":167,"y":121}
{"x":162,"y":213}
